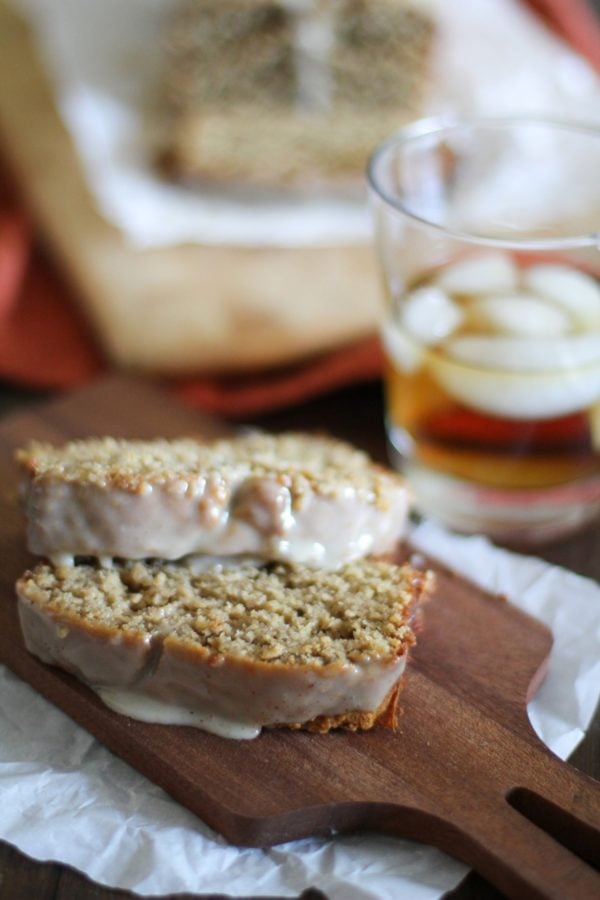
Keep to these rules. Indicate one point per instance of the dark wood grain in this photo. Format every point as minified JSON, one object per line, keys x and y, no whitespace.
{"x":463,"y":746}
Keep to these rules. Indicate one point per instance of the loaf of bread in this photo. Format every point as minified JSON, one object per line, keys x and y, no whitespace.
{"x":227,"y":647}
{"x":280,"y":91}
{"x":290,"y":497}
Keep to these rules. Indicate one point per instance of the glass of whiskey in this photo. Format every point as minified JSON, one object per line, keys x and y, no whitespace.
{"x":488,"y":238}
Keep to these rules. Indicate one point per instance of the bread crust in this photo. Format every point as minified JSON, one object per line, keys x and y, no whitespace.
{"x":386,"y":715}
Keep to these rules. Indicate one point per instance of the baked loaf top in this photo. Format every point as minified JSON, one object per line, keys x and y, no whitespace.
{"x":245,"y":645}
{"x":290,"y":614}
{"x":292,"y":497}
{"x":276,"y":91}
{"x":304,"y":462}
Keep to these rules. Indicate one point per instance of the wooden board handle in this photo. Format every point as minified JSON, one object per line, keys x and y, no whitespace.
{"x":541,"y":839}
{"x":538,"y":839}
{"x":519,"y":857}
{"x":516,"y":856}
{"x":564,"y":802}
{"x":523,"y":860}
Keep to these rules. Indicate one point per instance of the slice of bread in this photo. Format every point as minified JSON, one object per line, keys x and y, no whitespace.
{"x":292,"y":497}
{"x":230,"y":648}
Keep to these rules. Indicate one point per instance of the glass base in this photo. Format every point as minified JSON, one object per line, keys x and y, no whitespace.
{"x":511,"y":517}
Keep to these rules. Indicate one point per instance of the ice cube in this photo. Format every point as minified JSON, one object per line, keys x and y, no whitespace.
{"x":572,"y":290}
{"x":429,"y":315}
{"x":519,"y":378}
{"x":518,"y":314}
{"x":524,"y":354}
{"x":486,"y":273}
{"x":403,"y":353}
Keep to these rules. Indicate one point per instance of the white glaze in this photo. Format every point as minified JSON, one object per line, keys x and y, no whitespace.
{"x":312,"y":28}
{"x":173,"y":521}
{"x":157,"y":678}
{"x":148,"y":709}
{"x":313,"y":37}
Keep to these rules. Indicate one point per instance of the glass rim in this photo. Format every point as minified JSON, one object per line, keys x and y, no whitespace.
{"x":438,"y":125}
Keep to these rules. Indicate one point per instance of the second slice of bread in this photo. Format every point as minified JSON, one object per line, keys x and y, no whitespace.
{"x":230,"y":648}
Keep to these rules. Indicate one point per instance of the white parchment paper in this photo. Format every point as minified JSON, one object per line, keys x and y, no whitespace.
{"x":64,"y":797}
{"x":491,"y":57}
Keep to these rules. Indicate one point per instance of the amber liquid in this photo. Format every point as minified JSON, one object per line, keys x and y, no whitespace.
{"x":433,"y":429}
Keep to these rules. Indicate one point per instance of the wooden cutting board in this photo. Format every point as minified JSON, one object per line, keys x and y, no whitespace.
{"x":181,"y":309}
{"x":464,"y":772}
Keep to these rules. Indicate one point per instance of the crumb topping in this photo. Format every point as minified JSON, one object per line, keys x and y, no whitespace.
{"x":273,"y":613}
{"x":304,"y":463}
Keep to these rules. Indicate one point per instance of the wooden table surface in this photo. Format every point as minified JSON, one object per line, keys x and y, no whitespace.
{"x":354,"y":414}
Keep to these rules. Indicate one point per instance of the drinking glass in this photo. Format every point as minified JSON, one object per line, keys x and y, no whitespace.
{"x":488,"y":236}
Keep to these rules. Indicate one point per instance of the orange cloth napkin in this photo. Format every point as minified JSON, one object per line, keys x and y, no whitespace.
{"x":45,"y":343}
